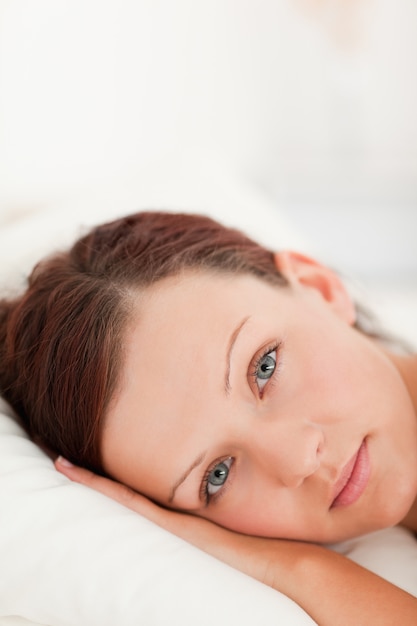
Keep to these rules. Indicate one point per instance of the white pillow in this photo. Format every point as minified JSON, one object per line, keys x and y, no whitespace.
{"x":70,"y":556}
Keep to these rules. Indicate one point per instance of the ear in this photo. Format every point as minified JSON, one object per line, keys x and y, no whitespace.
{"x":301,"y":270}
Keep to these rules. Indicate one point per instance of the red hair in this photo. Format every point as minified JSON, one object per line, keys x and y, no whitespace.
{"x":61,"y":342}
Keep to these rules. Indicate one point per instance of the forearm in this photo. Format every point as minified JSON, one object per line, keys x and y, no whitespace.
{"x":332,"y":589}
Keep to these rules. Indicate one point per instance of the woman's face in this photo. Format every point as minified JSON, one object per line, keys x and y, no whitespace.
{"x":262,"y":409}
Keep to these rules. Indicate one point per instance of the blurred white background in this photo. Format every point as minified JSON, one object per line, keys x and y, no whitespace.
{"x":312,"y":101}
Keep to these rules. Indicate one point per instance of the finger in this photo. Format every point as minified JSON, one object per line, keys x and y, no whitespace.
{"x":118,"y":492}
{"x":122,"y":494}
{"x":75,"y":473}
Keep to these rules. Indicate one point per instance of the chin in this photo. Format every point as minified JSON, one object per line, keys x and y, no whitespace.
{"x":390,"y":514}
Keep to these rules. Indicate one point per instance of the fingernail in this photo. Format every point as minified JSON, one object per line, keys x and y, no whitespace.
{"x":63,"y":461}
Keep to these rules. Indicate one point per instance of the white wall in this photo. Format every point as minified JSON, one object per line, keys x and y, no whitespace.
{"x":313,"y":100}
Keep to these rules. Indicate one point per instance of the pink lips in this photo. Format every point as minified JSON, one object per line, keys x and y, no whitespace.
{"x":353,"y":479}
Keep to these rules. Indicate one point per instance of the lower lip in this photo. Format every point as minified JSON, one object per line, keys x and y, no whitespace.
{"x":357,"y":481}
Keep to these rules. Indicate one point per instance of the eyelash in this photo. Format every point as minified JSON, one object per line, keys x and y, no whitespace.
{"x":204,"y":493}
{"x":275,"y":347}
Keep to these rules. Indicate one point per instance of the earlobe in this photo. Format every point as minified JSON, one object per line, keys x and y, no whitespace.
{"x":303,"y":271}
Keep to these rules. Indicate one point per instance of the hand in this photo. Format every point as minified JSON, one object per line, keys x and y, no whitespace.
{"x":114,"y":490}
{"x":200,"y":532}
{"x":251,"y":555}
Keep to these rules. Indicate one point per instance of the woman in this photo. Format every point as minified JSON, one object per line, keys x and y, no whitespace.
{"x":227,"y":384}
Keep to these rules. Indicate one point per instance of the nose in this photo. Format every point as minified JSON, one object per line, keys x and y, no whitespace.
{"x":288,"y":454}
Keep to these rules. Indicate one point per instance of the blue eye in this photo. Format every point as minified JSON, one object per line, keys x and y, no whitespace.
{"x":216,"y":477}
{"x":264,"y":368}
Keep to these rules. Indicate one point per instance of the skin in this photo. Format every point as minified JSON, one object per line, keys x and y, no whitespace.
{"x":334,"y":388}
{"x":285,"y":439}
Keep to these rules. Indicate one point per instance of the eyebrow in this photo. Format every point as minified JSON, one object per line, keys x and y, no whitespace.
{"x":232,"y":341}
{"x":201,"y":457}
{"x":185,"y":475}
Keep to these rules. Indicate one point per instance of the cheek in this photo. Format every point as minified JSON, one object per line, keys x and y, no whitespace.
{"x":275,"y":515}
{"x":332,"y":367}
{"x":317,"y":378}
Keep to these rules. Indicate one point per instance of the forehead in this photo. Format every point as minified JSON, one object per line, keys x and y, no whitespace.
{"x":192,"y":311}
{"x":197,"y":297}
{"x":181,"y":325}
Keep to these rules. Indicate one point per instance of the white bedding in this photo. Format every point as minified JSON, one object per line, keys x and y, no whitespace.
{"x":70,"y":556}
